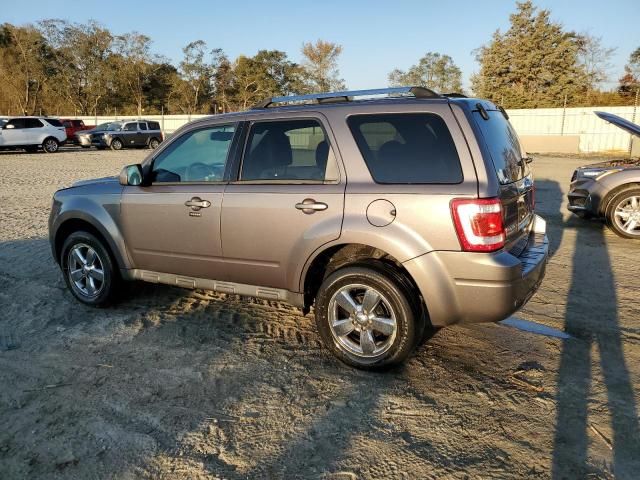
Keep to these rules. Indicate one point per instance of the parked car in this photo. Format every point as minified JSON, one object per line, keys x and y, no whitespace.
{"x":391,"y":216}
{"x":83,"y":138}
{"x":611,"y":189}
{"x":73,"y":126}
{"x":125,"y":134}
{"x":32,"y":133}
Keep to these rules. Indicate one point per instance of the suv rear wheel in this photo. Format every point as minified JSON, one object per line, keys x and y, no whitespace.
{"x":623,"y":213}
{"x":88,"y":270}
{"x":50,"y":145}
{"x":365,"y":318}
{"x":153,"y":143}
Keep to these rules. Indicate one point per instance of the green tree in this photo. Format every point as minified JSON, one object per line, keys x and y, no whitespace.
{"x":26,"y":63}
{"x":320,"y":66}
{"x":84,"y":69}
{"x":435,"y":71}
{"x":533,"y":64}
{"x":194,"y":85}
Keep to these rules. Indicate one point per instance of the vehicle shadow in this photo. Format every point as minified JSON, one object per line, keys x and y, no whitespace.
{"x":591,"y":318}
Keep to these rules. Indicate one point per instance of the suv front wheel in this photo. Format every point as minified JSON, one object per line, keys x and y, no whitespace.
{"x":365,"y":318}
{"x":88,"y":270}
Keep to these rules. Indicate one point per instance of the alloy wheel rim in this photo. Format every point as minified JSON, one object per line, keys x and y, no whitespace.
{"x":627,"y":215}
{"x":85,"y":270}
{"x":51,"y":145}
{"x":362,"y":321}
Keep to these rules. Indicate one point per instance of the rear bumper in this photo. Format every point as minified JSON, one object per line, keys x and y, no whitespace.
{"x":466,"y":287}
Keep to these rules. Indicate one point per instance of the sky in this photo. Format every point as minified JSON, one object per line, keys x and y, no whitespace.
{"x":377,"y":36}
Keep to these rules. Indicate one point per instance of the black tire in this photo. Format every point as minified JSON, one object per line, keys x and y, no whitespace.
{"x":153,"y":143}
{"x":116,"y":144}
{"x":50,"y":145}
{"x":620,"y":199}
{"x":105,"y":290}
{"x":409,"y":327}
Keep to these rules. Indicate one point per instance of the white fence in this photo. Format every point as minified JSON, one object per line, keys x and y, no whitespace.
{"x":595,"y":134}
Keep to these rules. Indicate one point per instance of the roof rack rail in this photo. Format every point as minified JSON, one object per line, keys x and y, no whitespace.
{"x":346,"y":96}
{"x":454,"y":95}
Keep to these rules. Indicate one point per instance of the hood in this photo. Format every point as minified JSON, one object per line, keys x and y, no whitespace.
{"x":96,"y":181}
{"x":621,"y":163}
{"x":620,"y":122}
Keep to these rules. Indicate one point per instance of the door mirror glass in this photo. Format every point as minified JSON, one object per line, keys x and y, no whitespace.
{"x":131,"y":175}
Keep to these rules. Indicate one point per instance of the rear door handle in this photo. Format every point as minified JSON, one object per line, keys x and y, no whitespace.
{"x":196,"y":203}
{"x":309,"y":205}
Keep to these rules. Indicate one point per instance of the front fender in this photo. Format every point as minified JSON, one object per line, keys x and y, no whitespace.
{"x":100,"y":212}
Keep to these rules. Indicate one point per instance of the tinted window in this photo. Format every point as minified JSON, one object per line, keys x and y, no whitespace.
{"x":54,"y":121}
{"x":131,"y":127}
{"x":34,"y":123}
{"x":504,"y":147}
{"x":77,"y":123}
{"x":68,"y":123}
{"x":197,"y":156}
{"x":293,"y":150}
{"x":142,"y":126}
{"x":17,"y":123}
{"x":153,"y":125}
{"x":407,"y":148}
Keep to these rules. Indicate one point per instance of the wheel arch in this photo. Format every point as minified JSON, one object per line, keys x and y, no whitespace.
{"x":83,"y":222}
{"x":612,"y":192}
{"x":334,"y":257}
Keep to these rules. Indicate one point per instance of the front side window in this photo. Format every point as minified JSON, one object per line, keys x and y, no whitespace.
{"x":288,"y":150}
{"x":407,"y":148}
{"x":17,"y":123}
{"x":131,"y":127}
{"x":197,"y":156}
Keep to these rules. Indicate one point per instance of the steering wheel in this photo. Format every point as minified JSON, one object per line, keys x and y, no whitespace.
{"x":202,"y":171}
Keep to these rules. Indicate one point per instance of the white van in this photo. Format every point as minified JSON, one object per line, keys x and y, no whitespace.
{"x":31,"y":133}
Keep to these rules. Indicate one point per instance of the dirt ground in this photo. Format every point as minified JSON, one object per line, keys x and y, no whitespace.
{"x":176,"y":384}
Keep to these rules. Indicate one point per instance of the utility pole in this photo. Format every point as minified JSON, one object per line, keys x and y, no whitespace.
{"x":564,"y":114}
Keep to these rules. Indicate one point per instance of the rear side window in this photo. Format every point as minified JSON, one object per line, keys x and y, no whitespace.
{"x":142,"y":126}
{"x":53,"y":121}
{"x":407,"y":148}
{"x":34,"y":123}
{"x":288,"y":150}
{"x":504,"y":146}
{"x":153,"y":125}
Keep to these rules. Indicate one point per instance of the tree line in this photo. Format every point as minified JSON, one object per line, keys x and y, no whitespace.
{"x":58,"y":67}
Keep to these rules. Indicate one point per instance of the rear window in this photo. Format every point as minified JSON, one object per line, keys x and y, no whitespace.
{"x":407,"y":148}
{"x":503,"y":144}
{"x":153,"y":125}
{"x":54,"y":122}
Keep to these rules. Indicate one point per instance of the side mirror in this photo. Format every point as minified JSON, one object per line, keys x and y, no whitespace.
{"x":131,"y":175}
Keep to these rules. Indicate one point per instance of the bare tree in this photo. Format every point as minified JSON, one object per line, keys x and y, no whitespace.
{"x":594,"y":58}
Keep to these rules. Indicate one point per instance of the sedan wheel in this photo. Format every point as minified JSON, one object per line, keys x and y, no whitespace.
{"x":624,"y":214}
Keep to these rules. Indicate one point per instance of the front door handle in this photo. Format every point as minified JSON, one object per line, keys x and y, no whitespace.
{"x":196,"y":203}
{"x":309,"y":205}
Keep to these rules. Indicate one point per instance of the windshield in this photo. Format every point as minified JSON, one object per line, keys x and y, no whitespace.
{"x":503,"y":144}
{"x":110,"y":127}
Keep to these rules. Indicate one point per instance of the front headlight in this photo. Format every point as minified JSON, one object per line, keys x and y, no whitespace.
{"x":597,"y":173}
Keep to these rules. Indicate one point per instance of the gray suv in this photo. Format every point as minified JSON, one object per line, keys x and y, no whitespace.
{"x":125,"y":134}
{"x":392,"y":212}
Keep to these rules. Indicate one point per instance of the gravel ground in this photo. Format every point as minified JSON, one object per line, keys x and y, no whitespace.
{"x":175,"y":384}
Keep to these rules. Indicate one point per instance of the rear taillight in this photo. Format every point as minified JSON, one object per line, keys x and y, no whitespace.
{"x":478,"y":224}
